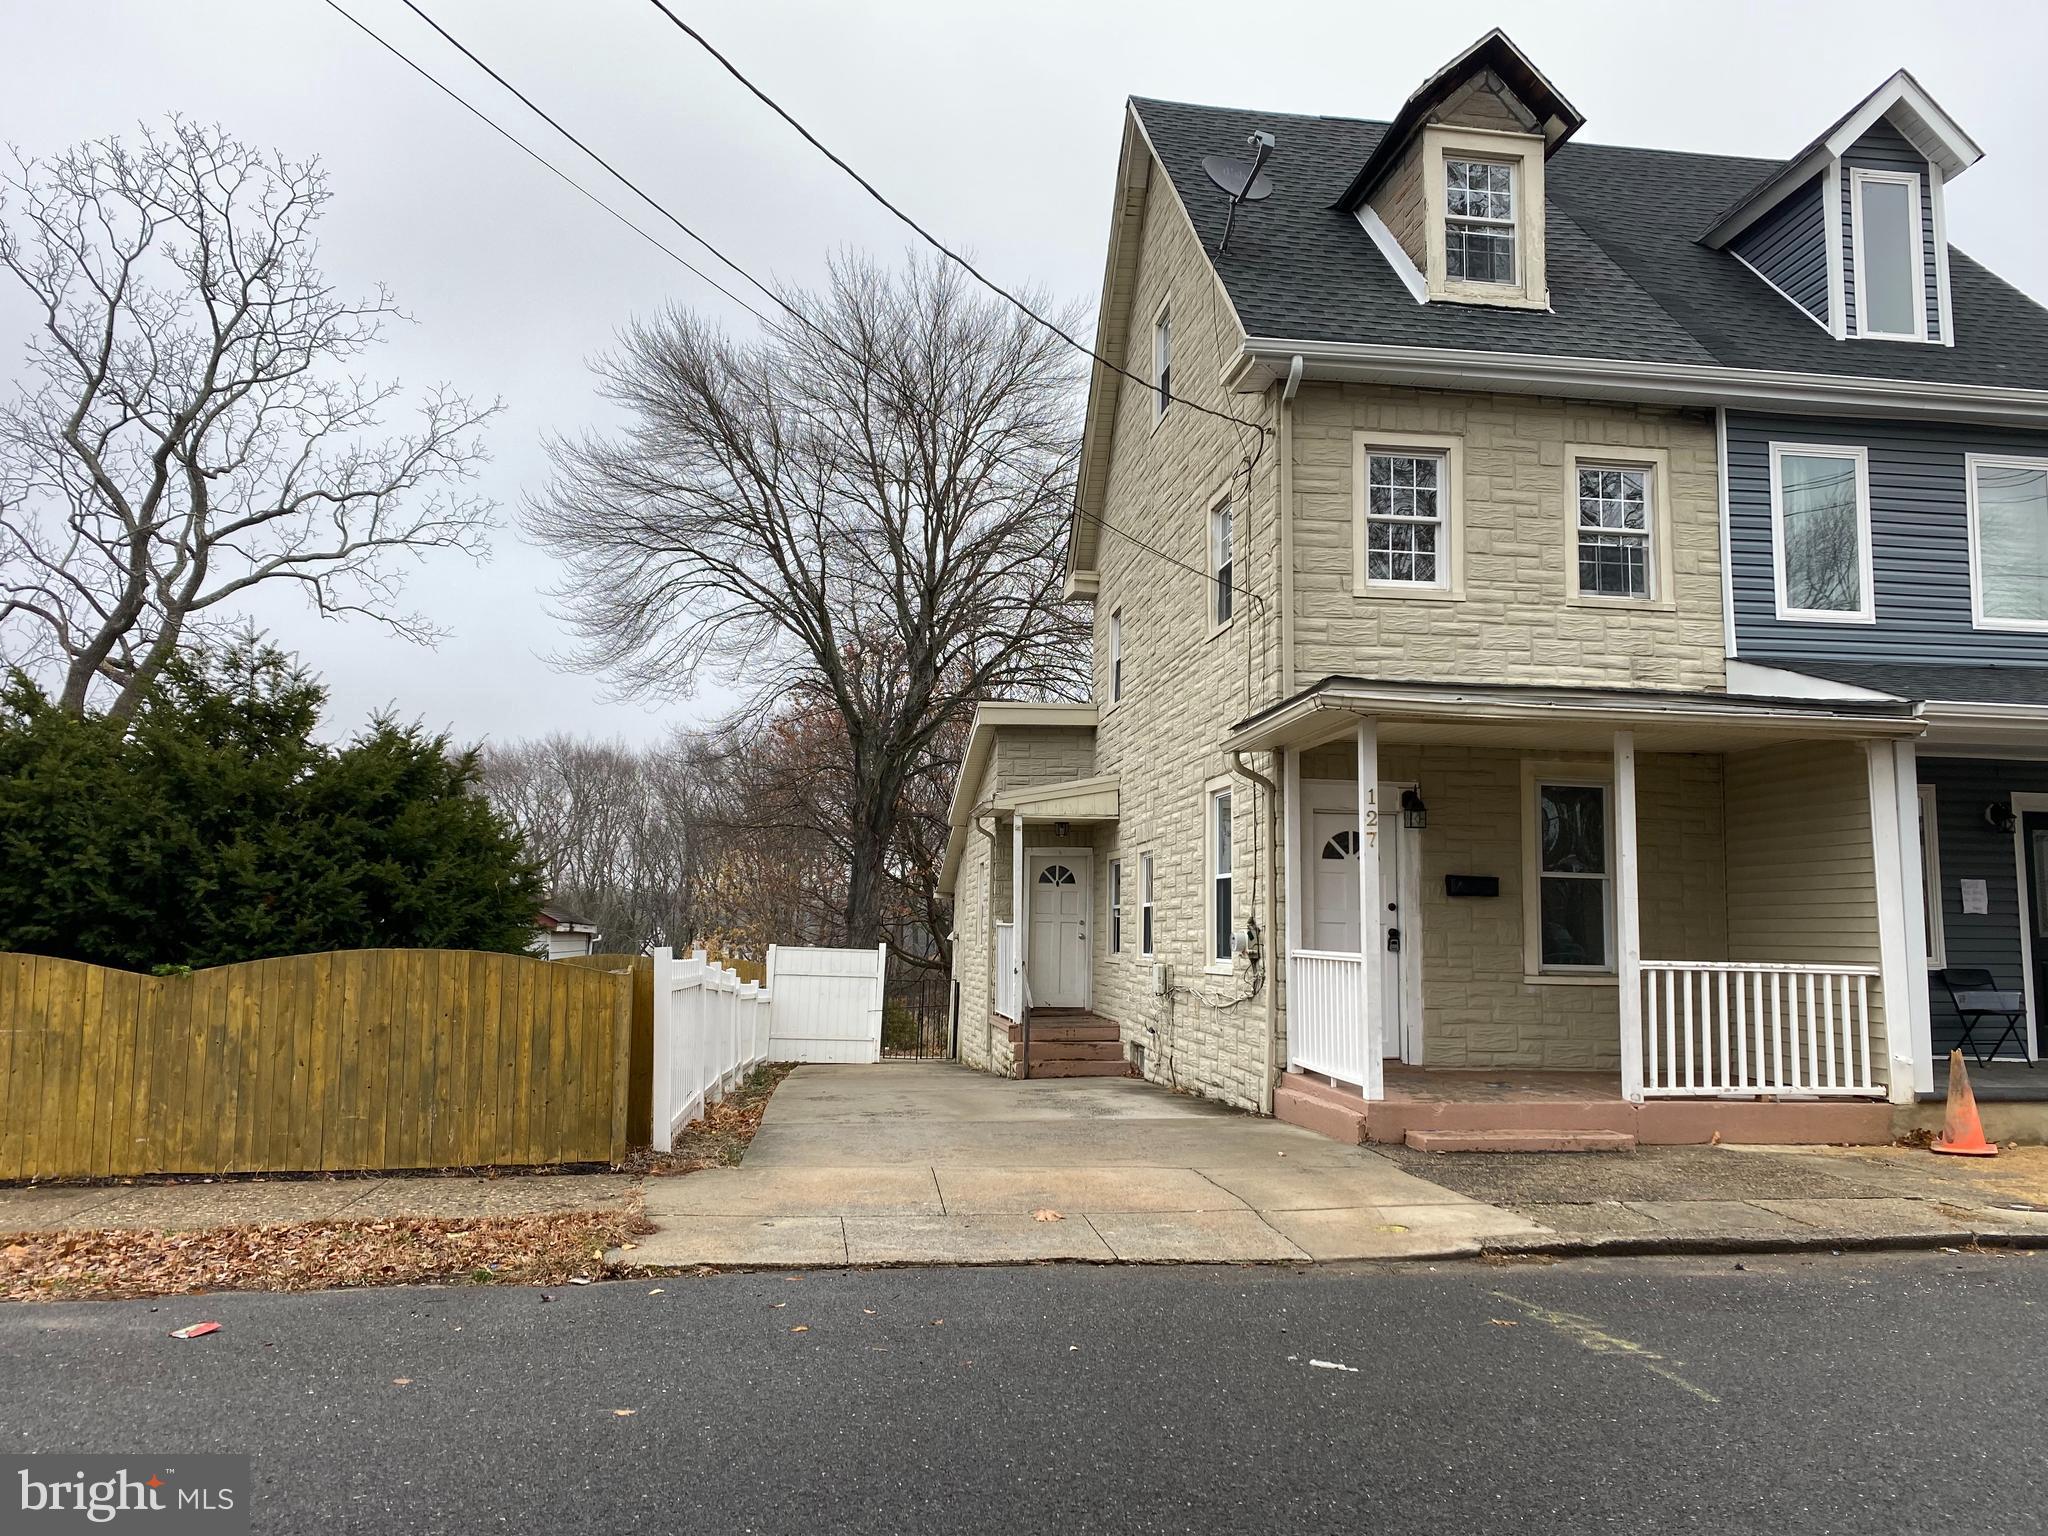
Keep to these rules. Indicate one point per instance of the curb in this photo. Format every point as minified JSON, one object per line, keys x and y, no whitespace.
{"x":1679,"y":1244}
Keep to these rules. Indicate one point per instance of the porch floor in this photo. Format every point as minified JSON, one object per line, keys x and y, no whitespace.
{"x":1996,"y":1082}
{"x":1462,"y":1100}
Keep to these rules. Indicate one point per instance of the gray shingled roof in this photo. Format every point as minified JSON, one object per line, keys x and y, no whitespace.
{"x":1928,"y":682}
{"x":1628,"y":278}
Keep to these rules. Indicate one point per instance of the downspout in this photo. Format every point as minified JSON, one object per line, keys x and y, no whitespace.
{"x":1286,"y":497}
{"x":1272,"y":906}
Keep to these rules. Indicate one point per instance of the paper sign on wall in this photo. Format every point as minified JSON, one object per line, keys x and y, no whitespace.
{"x":1974,"y":898}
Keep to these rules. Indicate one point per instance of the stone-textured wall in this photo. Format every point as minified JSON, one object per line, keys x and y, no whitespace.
{"x":1402,"y":204}
{"x":1516,"y":621}
{"x":1028,"y":756}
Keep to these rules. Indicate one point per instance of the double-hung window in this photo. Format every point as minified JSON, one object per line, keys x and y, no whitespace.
{"x":1116,"y":906}
{"x":1820,"y":521}
{"x":1162,"y":364}
{"x":1219,"y":877}
{"x":1479,"y":221}
{"x":1116,"y":654}
{"x":1404,"y":518}
{"x":1145,"y":905}
{"x":1614,"y":530}
{"x":1574,"y":887}
{"x":1888,"y":259}
{"x":2008,"y":541}
{"x":1220,"y":564}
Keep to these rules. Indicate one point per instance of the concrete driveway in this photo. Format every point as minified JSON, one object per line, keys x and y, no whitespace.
{"x":906,"y":1163}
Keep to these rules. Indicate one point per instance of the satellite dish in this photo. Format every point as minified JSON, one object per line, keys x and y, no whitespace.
{"x":1240,"y":177}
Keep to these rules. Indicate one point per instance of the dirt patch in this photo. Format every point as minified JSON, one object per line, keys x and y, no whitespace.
{"x":719,"y":1140}
{"x":315,"y":1255}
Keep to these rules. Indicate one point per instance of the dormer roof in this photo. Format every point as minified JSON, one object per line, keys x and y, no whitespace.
{"x":1551,"y":115}
{"x":1900,"y":101}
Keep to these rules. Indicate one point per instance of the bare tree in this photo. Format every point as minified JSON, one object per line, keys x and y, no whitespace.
{"x":862,"y":512}
{"x":187,"y":427}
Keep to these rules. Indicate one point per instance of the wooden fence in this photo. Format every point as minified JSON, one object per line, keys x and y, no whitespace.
{"x":357,"y":1059}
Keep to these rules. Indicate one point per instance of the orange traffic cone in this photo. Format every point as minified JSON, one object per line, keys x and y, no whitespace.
{"x":1962,"y":1133}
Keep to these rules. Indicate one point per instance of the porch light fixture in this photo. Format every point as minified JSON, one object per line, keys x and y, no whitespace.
{"x":1059,"y":829}
{"x":1999,"y":817}
{"x":1414,"y":814}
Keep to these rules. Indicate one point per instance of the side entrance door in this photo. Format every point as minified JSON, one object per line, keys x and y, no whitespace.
{"x":1333,"y":902}
{"x":1057,"y":961}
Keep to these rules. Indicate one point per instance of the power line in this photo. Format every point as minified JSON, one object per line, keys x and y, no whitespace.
{"x":534,"y":155}
{"x":926,"y":235}
{"x":616,"y":174}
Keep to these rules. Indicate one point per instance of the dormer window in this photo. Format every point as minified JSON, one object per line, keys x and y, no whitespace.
{"x":1890,"y":266}
{"x":1479,"y":221}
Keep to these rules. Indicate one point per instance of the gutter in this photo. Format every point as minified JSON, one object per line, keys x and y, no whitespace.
{"x":1272,"y":906}
{"x":1700,"y":384}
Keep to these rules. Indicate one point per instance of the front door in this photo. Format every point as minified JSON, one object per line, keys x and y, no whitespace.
{"x":1333,"y":902}
{"x":2034,"y":832}
{"x":1058,"y":958}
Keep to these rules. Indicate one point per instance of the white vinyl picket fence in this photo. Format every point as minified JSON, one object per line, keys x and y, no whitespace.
{"x":711,"y":1029}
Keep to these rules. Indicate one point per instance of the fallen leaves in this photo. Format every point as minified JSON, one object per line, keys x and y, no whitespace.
{"x":314,"y":1255}
{"x":720,"y":1138}
{"x":1503,"y":1322}
{"x":1047,"y":1214}
{"x":195,"y":1330}
{"x":624,"y":1413}
{"x":801,"y":1328}
{"x":401,"y":1381}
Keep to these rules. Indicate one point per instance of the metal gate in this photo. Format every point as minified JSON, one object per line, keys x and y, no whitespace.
{"x":917,"y":1013}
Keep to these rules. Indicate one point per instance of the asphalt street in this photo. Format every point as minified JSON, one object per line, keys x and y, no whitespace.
{"x":1792,"y":1395}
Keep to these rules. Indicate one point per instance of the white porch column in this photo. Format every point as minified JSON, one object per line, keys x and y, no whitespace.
{"x":1372,"y":916}
{"x":1899,"y":916}
{"x":1628,"y":930}
{"x":1913,"y":877}
{"x":1018,"y":932}
{"x":1291,"y":852}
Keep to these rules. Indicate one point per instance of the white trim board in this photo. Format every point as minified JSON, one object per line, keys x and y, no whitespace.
{"x":1866,"y":610}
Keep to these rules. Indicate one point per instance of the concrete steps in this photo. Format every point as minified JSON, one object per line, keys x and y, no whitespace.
{"x":1520,"y":1141}
{"x":1070,"y":1042}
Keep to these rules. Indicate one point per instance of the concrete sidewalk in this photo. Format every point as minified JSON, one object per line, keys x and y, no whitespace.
{"x":931,"y":1164}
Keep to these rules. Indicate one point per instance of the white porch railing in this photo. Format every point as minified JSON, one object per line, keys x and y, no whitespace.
{"x":1712,"y":1028}
{"x":1327,"y":1030}
{"x":1008,"y":998}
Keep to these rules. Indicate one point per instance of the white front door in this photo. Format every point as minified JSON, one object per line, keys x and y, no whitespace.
{"x":1058,"y":958}
{"x":1333,"y":901}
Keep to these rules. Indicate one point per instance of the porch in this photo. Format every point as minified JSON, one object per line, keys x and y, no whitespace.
{"x":1668,"y":917}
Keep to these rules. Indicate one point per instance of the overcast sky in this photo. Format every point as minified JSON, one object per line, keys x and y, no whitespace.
{"x":995,"y":123}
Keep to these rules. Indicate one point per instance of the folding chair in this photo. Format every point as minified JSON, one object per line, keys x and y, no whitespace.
{"x":1974,"y":991}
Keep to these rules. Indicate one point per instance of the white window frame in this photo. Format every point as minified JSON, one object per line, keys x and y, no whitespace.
{"x":1148,"y":928}
{"x":1512,"y":223}
{"x":1930,"y":877}
{"x":1162,"y":361}
{"x":1116,"y":906}
{"x":1221,"y":587}
{"x":1219,"y":864}
{"x":1866,"y":611}
{"x":1858,"y":179}
{"x":1972,"y":462}
{"x":1116,"y":655}
{"x":1535,"y":776}
{"x":1656,"y":463}
{"x":1450,"y":565}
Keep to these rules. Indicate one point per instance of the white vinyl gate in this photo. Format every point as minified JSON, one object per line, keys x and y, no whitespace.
{"x":827,"y":1003}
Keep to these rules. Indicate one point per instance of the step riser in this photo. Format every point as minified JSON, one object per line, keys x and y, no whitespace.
{"x":1082,"y":1069}
{"x":1521,"y":1141}
{"x":1045,"y":1033}
{"x":1075,"y":1050}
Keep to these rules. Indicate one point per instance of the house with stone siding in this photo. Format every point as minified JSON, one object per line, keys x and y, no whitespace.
{"x":1513,"y":563}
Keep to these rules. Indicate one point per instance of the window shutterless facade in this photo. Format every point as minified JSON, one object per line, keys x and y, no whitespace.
{"x":1479,"y":221}
{"x":1221,"y":563}
{"x":1615,"y":529}
{"x":1116,"y":906}
{"x":2008,"y":503}
{"x":1145,"y":905}
{"x":1219,"y":877}
{"x":1405,"y":511}
{"x":1162,"y":364}
{"x":1574,"y":885}
{"x":1889,"y":262}
{"x":1820,"y":533}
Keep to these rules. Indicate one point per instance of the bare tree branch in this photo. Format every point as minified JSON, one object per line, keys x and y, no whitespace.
{"x":186,"y":427}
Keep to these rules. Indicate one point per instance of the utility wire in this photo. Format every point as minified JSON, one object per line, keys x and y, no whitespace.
{"x":926,"y":235}
{"x":534,"y":155}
